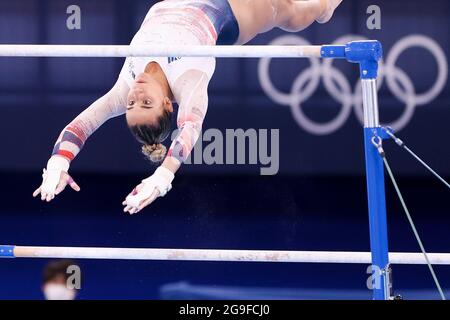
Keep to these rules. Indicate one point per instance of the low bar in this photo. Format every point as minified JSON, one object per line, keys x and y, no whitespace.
{"x":215,"y":255}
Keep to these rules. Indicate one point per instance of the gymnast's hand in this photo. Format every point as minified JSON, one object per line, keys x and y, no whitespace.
{"x":151,"y":188}
{"x":55,"y":179}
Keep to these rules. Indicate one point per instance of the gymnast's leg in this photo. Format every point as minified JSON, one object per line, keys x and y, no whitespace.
{"x":258,"y":16}
{"x":297,"y":15}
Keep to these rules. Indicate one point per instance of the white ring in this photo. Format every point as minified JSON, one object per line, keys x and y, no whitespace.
{"x":267,"y":85}
{"x":437,"y":52}
{"x":308,"y":124}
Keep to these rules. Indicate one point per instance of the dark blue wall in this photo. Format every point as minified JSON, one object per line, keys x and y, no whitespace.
{"x":317,"y":202}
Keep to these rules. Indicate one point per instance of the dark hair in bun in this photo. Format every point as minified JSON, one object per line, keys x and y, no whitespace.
{"x":151,"y":136}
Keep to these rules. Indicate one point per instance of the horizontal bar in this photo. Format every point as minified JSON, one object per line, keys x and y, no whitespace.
{"x":216,"y":255}
{"x":13,"y":50}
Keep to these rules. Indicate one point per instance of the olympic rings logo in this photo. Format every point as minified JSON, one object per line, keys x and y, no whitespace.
{"x":340,"y":89}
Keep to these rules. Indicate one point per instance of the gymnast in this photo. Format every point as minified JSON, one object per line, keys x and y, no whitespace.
{"x":147,"y":87}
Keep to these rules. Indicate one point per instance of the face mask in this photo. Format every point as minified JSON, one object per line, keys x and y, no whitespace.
{"x":58,"y":292}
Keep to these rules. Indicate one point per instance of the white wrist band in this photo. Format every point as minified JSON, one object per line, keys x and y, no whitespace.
{"x":58,"y":163}
{"x":162,"y":173}
{"x":55,"y":166}
{"x":162,"y":179}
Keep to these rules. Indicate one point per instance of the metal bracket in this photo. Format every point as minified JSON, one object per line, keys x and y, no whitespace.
{"x":367,"y":54}
{"x":6,"y":251}
{"x":388,"y":286}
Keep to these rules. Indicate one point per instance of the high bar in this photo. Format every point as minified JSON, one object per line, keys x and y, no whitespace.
{"x":118,"y":51}
{"x":216,"y":255}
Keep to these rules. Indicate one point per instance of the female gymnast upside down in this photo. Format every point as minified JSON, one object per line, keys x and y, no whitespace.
{"x":147,"y":87}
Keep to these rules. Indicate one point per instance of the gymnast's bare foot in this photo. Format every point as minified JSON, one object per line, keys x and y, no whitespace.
{"x":329,"y":7}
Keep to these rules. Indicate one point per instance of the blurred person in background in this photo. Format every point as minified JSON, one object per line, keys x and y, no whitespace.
{"x":55,"y":282}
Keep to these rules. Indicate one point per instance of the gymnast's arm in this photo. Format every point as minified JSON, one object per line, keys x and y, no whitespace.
{"x":73,"y":137}
{"x":191,"y":93}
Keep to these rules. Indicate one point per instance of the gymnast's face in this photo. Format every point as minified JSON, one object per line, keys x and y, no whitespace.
{"x":146,"y":101}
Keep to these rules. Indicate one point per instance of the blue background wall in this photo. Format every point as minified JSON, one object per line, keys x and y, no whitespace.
{"x":216,"y":206}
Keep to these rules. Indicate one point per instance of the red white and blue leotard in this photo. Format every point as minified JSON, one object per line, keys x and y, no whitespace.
{"x":170,"y":22}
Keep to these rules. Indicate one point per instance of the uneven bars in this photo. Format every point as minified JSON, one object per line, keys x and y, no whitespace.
{"x":216,"y":255}
{"x":259,"y":51}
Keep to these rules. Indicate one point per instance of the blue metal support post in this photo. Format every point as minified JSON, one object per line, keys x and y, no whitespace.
{"x":367,"y":54}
